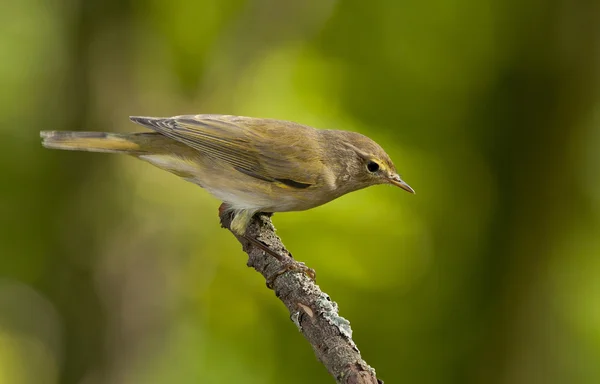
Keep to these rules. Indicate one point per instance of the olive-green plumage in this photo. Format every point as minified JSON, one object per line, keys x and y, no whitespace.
{"x":251,"y":164}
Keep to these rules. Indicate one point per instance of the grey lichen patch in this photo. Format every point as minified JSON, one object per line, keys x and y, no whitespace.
{"x":296,"y":320}
{"x":309,"y":287}
{"x":329,"y":310}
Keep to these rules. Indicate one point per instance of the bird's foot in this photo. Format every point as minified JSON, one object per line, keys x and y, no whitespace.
{"x":287,"y":261}
{"x":289,"y":264}
{"x":292,"y":266}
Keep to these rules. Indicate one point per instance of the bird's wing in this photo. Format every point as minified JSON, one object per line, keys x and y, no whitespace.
{"x":270,"y":150}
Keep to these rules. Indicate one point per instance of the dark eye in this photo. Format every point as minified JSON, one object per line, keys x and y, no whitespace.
{"x":372,"y":166}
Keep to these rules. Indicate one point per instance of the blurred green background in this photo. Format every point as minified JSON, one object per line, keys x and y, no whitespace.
{"x":112,"y":271}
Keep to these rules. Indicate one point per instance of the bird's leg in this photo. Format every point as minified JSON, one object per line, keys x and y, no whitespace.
{"x":289,"y":264}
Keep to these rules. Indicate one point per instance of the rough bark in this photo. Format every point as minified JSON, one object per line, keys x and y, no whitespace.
{"x":312,"y":311}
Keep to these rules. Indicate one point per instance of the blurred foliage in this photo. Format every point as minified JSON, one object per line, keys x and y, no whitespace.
{"x":112,"y":271}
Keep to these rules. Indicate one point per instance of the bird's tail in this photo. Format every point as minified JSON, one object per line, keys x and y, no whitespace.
{"x":94,"y":141}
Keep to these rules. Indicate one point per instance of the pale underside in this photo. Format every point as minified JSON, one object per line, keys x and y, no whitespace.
{"x":240,"y":191}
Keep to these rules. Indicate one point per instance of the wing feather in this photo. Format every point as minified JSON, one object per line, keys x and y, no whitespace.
{"x":265,"y":149}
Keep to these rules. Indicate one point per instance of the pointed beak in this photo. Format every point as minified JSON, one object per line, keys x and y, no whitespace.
{"x":398,"y":182}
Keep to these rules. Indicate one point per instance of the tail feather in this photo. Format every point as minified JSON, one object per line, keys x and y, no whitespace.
{"x":91,"y":142}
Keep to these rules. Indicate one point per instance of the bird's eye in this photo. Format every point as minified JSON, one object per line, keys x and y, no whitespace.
{"x":372,"y":166}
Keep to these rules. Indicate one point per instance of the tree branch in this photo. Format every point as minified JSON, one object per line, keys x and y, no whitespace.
{"x":313,"y":312}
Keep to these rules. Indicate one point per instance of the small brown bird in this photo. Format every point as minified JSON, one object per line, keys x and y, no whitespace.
{"x":251,"y":164}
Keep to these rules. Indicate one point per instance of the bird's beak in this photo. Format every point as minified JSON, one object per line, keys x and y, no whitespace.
{"x":398,"y":182}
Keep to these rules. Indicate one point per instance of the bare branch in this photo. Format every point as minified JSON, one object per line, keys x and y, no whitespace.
{"x":313,"y":312}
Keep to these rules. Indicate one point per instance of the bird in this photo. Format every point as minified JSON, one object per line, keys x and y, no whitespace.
{"x":253,"y":165}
